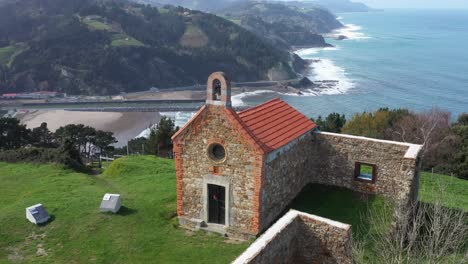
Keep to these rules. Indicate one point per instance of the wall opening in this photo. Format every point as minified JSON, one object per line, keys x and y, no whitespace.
{"x":216,"y":90}
{"x":365,"y":172}
{"x":216,"y":204}
{"x":216,"y":152}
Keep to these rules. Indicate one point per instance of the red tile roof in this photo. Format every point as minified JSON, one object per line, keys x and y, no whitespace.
{"x":275,"y":123}
{"x":267,"y":127}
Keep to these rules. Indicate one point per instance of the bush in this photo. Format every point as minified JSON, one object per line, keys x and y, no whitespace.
{"x":62,"y":155}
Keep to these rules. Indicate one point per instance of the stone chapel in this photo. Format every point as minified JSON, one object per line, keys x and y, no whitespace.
{"x":237,"y":172}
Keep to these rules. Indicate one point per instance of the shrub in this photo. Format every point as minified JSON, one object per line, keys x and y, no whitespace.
{"x":63,"y":155}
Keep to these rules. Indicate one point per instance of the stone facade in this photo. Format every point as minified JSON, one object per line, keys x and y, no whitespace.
{"x":301,"y":238}
{"x":261,"y":181}
{"x":236,"y":172}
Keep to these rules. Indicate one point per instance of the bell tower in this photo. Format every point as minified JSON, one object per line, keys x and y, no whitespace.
{"x":218,"y":90}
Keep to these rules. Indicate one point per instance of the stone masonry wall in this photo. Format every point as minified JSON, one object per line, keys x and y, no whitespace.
{"x":319,"y":241}
{"x":238,"y":168}
{"x":397,"y":174}
{"x":283,"y":248}
{"x":286,"y":174}
{"x":301,"y":238}
{"x":329,"y":159}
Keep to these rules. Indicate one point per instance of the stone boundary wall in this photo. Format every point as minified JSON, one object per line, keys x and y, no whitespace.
{"x":287,"y":171}
{"x":301,"y":238}
{"x":397,"y":164}
{"x":330,"y":159}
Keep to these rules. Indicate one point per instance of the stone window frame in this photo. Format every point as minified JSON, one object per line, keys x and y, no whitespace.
{"x":357,"y":172}
{"x":220,"y":181}
{"x":221,"y":142}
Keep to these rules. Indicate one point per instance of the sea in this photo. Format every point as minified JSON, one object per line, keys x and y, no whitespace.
{"x":396,"y":58}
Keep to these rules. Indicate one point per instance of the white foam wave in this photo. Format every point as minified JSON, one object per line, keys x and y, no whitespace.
{"x":306,"y":53}
{"x":180,"y":119}
{"x":327,"y":70}
{"x":339,"y":18}
{"x":146,"y":133}
{"x":351,"y":31}
{"x":236,"y":100}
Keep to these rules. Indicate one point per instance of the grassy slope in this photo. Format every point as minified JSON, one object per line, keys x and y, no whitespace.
{"x":455,"y":189}
{"x":8,"y":53}
{"x":96,"y":24}
{"x":121,"y":40}
{"x":143,"y":232}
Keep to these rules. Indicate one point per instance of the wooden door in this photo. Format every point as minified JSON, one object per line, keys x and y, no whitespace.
{"x":216,"y":204}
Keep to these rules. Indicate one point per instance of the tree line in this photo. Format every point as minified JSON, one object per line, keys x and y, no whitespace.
{"x":158,"y":143}
{"x":445,"y":142}
{"x":67,"y":145}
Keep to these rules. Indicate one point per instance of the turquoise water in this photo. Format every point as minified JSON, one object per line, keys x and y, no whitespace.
{"x":416,"y":59}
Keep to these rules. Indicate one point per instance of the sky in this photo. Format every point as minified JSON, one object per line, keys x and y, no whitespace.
{"x":416,"y":3}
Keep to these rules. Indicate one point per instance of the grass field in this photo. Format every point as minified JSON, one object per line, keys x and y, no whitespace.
{"x":146,"y":228}
{"x":454,"y":190}
{"x":144,"y":231}
{"x":96,"y":24}
{"x":194,"y":37}
{"x":348,"y":207}
{"x":122,"y":40}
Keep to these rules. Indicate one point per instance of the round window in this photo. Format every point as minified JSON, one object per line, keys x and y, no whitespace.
{"x":217,"y":152}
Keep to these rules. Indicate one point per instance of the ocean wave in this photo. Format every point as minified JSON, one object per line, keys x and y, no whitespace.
{"x":146,"y":133}
{"x":236,"y":100}
{"x":327,"y":70}
{"x":351,"y":31}
{"x":307,"y":52}
{"x":180,"y":119}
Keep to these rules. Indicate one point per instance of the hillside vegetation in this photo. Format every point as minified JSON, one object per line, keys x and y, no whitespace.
{"x":146,"y":228}
{"x":284,"y":25}
{"x":107,"y":47}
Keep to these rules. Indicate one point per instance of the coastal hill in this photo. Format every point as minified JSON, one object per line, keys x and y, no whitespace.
{"x":284,"y":25}
{"x":336,"y":6}
{"x":100,"y":47}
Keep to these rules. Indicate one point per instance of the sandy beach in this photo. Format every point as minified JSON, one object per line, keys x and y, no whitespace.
{"x":125,"y":126}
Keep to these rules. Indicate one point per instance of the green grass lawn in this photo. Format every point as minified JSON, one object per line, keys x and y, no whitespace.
{"x":143,"y":232}
{"x":96,"y":24}
{"x":349,"y":207}
{"x":122,"y":40}
{"x":146,"y":228}
{"x":450,"y":191}
{"x":341,"y":205}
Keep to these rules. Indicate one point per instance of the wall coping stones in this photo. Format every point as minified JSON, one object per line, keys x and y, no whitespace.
{"x":411,"y":153}
{"x":261,"y":243}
